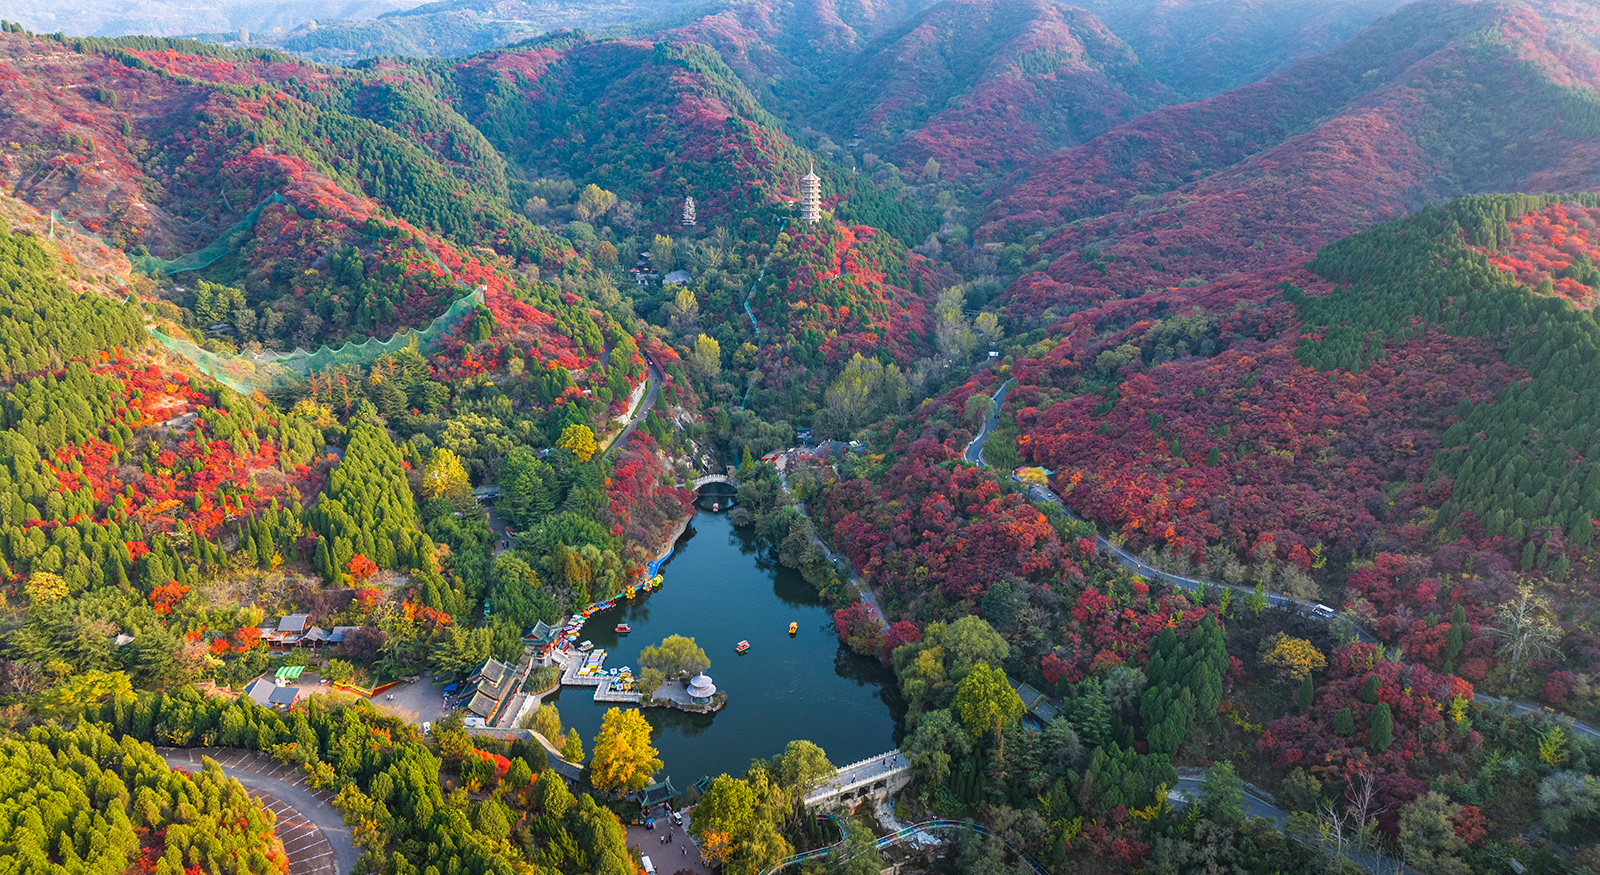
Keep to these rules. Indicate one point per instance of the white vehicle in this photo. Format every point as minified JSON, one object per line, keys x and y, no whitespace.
{"x":677,"y":817}
{"x":649,"y":868}
{"x":427,"y":728}
{"x":1324,"y":612}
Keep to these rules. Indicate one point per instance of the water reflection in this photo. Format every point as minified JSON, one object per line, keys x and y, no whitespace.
{"x":723,"y":587}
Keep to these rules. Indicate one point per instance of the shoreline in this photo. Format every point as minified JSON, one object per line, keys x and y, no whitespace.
{"x":653,"y":567}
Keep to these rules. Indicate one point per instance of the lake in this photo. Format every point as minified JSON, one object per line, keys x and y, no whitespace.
{"x":722,"y":587}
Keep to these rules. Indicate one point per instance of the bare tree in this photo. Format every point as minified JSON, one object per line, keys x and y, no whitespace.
{"x":1526,"y":628}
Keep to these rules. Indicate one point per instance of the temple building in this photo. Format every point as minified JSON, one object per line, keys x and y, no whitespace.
{"x":811,"y":197}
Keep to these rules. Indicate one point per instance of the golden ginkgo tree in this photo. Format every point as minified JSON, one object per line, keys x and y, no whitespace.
{"x":623,"y":760}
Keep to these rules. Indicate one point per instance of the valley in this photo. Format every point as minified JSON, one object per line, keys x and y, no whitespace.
{"x":1169,"y":428}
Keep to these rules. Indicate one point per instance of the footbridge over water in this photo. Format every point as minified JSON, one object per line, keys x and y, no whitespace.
{"x":712,"y":478}
{"x":872,"y":778}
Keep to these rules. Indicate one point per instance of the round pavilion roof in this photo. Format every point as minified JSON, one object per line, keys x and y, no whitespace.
{"x":700,"y":687}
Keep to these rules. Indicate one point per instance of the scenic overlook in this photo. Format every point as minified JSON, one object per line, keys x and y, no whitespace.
{"x":800,"y":437}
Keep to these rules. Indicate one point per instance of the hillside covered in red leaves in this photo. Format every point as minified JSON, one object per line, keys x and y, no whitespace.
{"x":983,"y":86}
{"x":1399,"y":116}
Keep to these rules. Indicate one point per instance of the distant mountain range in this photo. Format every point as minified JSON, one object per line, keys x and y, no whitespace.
{"x":178,"y":18}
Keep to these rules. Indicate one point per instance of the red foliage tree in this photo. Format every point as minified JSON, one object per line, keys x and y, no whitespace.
{"x":361,"y":567}
{"x":165,"y":598}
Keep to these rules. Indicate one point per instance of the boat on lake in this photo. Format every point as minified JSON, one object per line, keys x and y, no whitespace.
{"x":623,"y":628}
{"x":742,"y":647}
{"x":794,"y":629}
{"x":586,"y":646}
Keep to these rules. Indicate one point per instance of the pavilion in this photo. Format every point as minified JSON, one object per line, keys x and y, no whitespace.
{"x":701,"y":689}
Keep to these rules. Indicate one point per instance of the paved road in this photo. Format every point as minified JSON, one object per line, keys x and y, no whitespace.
{"x":1279,"y":600}
{"x":1188,"y":791}
{"x":974,"y":451}
{"x":1526,"y":708}
{"x":314,"y":835}
{"x":567,"y":770}
{"x":653,"y":375}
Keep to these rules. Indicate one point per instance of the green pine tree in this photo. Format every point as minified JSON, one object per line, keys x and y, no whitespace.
{"x":1369,"y":689}
{"x":1382,"y":731}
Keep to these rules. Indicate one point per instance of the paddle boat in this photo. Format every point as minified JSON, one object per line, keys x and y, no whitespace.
{"x":623,"y":628}
{"x":586,"y":646}
{"x":742,"y":647}
{"x":630,"y":592}
{"x":716,"y":506}
{"x":794,"y":628}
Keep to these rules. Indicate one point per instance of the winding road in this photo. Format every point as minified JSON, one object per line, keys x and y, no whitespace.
{"x":314,"y":835}
{"x":1188,"y":792}
{"x":974,"y":451}
{"x":974,"y":454}
{"x":645,"y":405}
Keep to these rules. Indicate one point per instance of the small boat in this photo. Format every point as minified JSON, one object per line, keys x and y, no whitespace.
{"x":742,"y":647}
{"x":586,"y":646}
{"x":715,"y":506}
{"x":623,"y":628}
{"x":794,"y":628}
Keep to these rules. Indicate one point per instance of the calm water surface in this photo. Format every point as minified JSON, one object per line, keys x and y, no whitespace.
{"x":721,"y":587}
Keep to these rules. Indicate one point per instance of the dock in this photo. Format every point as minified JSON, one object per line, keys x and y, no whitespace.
{"x":573,"y":663}
{"x":604,"y":693}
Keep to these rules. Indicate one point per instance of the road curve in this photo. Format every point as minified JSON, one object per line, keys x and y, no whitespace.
{"x":974,"y":451}
{"x":1274,"y":599}
{"x":1188,"y":791}
{"x":653,"y":374}
{"x":314,"y":835}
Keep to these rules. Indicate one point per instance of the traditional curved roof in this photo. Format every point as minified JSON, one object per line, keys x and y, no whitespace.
{"x":701,"y":687}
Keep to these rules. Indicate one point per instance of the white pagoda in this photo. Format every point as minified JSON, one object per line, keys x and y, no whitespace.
{"x":811,"y":197}
{"x":689,"y":219}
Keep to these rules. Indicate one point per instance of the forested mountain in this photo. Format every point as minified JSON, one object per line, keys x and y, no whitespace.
{"x":984,"y":86}
{"x":180,"y":17}
{"x":1200,"y":48}
{"x":1413,"y":110}
{"x":429,"y":348}
{"x":450,"y":28}
{"x":653,"y":122}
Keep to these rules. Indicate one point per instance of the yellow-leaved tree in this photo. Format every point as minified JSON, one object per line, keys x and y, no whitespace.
{"x":444,"y":476}
{"x":1292,"y":658}
{"x":623,"y":760}
{"x":579,"y":439}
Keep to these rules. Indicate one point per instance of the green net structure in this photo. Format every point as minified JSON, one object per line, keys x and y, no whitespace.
{"x":267,"y":371}
{"x":264,"y":372}
{"x":229,"y":242}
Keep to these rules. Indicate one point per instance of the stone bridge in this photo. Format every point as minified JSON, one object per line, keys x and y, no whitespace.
{"x":874,"y":778}
{"x":712,"y":478}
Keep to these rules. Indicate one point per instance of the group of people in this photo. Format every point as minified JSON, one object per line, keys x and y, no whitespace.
{"x":669,"y":838}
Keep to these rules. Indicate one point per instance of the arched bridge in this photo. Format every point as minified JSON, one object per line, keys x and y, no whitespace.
{"x":872,"y":778}
{"x":712,"y":478}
